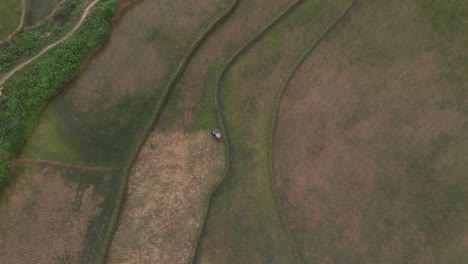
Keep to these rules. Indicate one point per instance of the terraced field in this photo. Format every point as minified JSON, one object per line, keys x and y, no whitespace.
{"x":343,"y":123}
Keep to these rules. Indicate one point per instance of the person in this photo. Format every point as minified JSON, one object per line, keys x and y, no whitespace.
{"x":216,"y":134}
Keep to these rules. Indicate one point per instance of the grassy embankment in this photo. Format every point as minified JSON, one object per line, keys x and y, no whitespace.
{"x":243,"y":223}
{"x":378,"y":115}
{"x":10,"y":12}
{"x":25,"y":93}
{"x":180,"y":163}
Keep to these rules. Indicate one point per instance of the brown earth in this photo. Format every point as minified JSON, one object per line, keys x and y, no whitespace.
{"x":43,"y":218}
{"x":168,"y":189}
{"x":371,"y":144}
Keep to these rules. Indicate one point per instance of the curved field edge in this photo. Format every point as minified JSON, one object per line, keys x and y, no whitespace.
{"x":222,"y":122}
{"x":20,"y":24}
{"x":26,"y":93}
{"x":274,"y":122}
{"x":176,"y":75}
{"x":313,"y":85}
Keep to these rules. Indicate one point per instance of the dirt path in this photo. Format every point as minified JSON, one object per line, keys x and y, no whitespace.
{"x":22,"y":65}
{"x":64,"y":165}
{"x":23,"y":7}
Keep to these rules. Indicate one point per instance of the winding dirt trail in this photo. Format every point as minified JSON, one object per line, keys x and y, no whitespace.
{"x":22,"y":65}
{"x":23,"y":12}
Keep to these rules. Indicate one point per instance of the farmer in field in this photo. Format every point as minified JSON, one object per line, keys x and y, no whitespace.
{"x":216,"y":134}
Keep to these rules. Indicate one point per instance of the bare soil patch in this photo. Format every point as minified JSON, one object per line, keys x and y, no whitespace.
{"x":363,"y":131}
{"x":44,"y":218}
{"x":168,"y":191}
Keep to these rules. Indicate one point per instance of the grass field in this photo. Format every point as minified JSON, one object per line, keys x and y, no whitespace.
{"x":344,"y":122}
{"x":10,"y":12}
{"x":243,"y":224}
{"x":37,"y":10}
{"x":377,"y":121}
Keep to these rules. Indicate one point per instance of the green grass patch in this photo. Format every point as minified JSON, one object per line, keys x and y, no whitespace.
{"x":10,"y":13}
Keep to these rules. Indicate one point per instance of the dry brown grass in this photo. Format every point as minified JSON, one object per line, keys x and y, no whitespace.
{"x":168,"y":190}
{"x":369,"y":157}
{"x":43,"y":218}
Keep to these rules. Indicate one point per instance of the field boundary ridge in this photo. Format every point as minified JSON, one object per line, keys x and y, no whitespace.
{"x":222,"y":122}
{"x":62,"y":164}
{"x":274,"y":121}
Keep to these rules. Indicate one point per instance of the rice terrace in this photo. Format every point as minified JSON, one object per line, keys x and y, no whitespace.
{"x":233,"y":131}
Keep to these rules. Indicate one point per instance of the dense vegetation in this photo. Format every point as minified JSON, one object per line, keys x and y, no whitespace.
{"x":25,"y":93}
{"x":30,"y":40}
